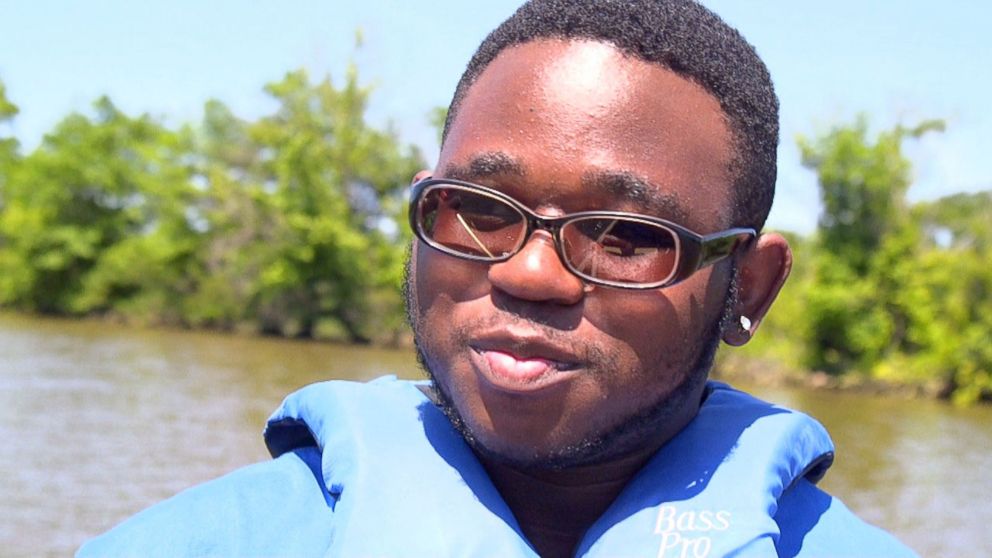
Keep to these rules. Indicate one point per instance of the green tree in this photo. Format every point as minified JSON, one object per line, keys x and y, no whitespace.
{"x":83,"y":217}
{"x":947,"y":297}
{"x":291,"y":222}
{"x":8,"y":145}
{"x":863,"y":188}
{"x":863,"y":236}
{"x":9,"y":159}
{"x":901,"y":293}
{"x":148,"y":272}
{"x":237,"y":218}
{"x":335,"y":181}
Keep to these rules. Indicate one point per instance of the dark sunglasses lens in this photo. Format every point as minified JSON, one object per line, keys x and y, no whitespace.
{"x":471,"y":223}
{"x":621,"y":250}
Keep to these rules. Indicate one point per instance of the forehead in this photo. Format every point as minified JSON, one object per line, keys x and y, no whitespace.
{"x":558,"y":114}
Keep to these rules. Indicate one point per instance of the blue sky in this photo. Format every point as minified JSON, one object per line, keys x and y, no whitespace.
{"x":897,"y":61}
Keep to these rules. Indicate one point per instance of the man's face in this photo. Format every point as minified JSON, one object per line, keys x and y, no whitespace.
{"x":540,"y":368}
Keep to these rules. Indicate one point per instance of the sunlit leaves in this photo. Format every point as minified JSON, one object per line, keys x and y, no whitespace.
{"x":897,"y":293}
{"x":279,"y":224}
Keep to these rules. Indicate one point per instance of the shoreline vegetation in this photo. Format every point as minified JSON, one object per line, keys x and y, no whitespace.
{"x":293,"y":225}
{"x":764,"y":372}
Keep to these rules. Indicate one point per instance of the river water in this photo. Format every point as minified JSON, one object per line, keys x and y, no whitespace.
{"x":99,"y":421}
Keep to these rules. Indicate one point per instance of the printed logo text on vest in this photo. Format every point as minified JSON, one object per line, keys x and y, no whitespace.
{"x":687,"y":534}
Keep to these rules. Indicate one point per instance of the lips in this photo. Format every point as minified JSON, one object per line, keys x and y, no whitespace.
{"x":514,"y":368}
{"x":517,"y":365}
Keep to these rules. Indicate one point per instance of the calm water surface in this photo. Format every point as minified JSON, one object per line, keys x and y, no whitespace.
{"x":100,"y":421}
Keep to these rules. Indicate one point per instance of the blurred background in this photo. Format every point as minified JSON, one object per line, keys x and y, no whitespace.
{"x":201,"y":209}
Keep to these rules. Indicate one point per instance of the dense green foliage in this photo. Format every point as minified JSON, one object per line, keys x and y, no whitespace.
{"x":290,"y":224}
{"x":293,"y":225}
{"x":884,"y":289}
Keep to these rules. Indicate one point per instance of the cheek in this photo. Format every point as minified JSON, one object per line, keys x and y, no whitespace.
{"x":663,"y":330}
{"x":444,"y":290}
{"x":442,"y":281}
{"x":642,"y":322}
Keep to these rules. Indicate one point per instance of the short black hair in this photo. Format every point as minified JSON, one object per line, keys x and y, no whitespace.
{"x":682,"y":36}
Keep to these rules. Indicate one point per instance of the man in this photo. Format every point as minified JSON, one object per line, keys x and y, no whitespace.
{"x":586,"y":240}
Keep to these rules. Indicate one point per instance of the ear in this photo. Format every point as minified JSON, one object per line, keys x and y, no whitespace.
{"x":762,"y":270}
{"x":421,"y":175}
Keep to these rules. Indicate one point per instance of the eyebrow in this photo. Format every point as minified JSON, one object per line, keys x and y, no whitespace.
{"x":486,"y":164}
{"x":621,"y":184}
{"x":631,"y":187}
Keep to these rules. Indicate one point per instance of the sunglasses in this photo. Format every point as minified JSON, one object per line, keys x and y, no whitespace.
{"x":610,"y":248}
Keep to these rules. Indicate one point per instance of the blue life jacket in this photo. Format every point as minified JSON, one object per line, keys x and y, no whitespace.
{"x":376,"y":470}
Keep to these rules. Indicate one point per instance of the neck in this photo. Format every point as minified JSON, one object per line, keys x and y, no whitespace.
{"x":555,"y":508}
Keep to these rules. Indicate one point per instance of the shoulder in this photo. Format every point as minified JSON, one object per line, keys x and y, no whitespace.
{"x":243,"y":513}
{"x":815,"y":524}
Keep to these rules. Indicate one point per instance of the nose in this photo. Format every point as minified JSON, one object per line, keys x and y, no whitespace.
{"x":536,"y":274}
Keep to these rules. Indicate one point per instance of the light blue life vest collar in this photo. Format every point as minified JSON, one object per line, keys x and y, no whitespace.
{"x":404,"y":483}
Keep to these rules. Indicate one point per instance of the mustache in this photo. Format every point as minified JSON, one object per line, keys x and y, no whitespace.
{"x":502,"y":320}
{"x":590,"y":353}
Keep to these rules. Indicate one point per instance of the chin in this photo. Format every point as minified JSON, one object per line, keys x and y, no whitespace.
{"x":631,"y":435}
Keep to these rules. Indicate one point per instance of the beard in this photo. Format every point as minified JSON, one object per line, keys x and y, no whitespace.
{"x":612,"y":443}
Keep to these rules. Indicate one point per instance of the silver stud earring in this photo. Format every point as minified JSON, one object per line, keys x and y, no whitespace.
{"x":745,"y":323}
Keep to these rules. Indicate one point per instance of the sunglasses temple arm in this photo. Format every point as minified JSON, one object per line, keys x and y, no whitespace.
{"x":472,"y":234}
{"x":715,"y":249}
